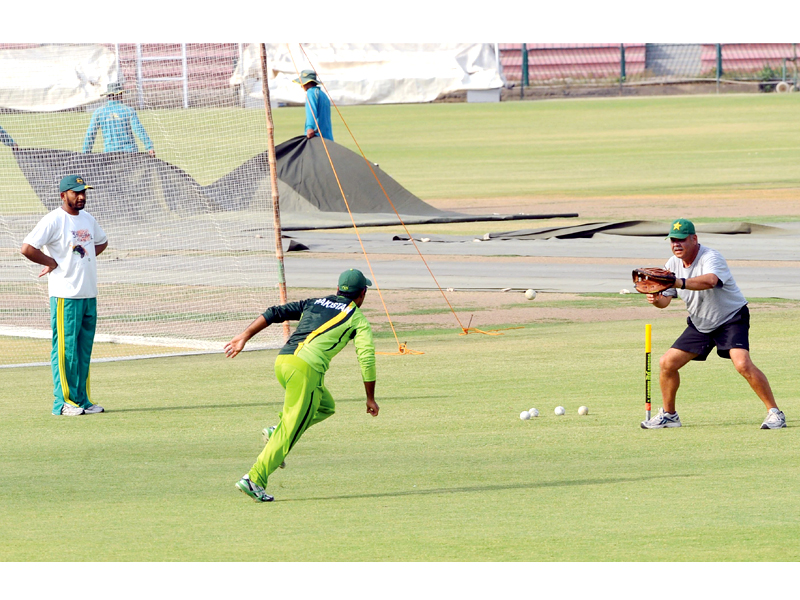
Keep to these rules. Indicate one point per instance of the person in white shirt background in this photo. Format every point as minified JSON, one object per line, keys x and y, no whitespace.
{"x":67,"y":242}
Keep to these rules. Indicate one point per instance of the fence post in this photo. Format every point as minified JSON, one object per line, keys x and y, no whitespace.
{"x":524,"y":70}
{"x":185,"y":75}
{"x":139,"y":84}
{"x":622,"y":73}
{"x":719,"y":64}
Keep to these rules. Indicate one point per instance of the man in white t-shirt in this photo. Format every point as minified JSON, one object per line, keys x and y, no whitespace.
{"x":718,"y":316}
{"x":66,"y":242}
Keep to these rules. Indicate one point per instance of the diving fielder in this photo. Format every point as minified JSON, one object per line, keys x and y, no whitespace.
{"x":326,"y":326}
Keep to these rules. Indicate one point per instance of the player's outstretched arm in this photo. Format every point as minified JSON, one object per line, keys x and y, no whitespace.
{"x":237,"y":344}
{"x":372,"y":406}
{"x":702,"y":282}
{"x":91,"y":133}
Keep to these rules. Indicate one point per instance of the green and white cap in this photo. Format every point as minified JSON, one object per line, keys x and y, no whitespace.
{"x":305,"y":77}
{"x":113,"y":89}
{"x":681,"y":229}
{"x":76,"y":183}
{"x":353,"y":280}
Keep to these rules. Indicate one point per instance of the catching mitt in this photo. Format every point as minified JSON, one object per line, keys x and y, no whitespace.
{"x":652,"y":280}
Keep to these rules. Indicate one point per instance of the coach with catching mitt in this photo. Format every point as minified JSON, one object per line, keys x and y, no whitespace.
{"x":718,"y":316}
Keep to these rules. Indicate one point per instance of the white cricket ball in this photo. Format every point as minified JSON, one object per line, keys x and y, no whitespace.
{"x":534,"y":412}
{"x":524,"y":415}
{"x":530,"y":294}
{"x":560,"y":410}
{"x":583,"y":410}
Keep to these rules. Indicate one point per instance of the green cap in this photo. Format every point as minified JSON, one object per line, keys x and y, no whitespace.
{"x":113,"y":89}
{"x":353,"y":280}
{"x":75,"y":183}
{"x":681,"y":229}
{"x":305,"y":77}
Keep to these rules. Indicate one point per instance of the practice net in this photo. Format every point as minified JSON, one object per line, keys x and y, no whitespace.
{"x":191,"y":256}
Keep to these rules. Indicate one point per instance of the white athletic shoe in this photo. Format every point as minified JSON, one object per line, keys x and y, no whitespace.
{"x":662,"y":419}
{"x":775,"y":419}
{"x":71,"y":411}
{"x":93,"y":409}
{"x":265,"y":435}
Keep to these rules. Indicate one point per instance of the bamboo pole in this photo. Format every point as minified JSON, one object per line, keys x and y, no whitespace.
{"x":273,"y":176}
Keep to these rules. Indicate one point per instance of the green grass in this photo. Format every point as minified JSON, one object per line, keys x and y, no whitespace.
{"x":585,"y":148}
{"x":447,"y":472}
{"x":654,"y":146}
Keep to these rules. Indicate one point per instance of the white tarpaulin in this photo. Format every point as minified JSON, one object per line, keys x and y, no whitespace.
{"x":370,"y":73}
{"x":55,"y":77}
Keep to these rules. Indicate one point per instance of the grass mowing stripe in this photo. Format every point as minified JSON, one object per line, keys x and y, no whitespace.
{"x":554,"y":149}
{"x":447,"y":471}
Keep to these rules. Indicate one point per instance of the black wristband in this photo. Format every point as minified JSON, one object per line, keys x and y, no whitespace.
{"x":683,"y":283}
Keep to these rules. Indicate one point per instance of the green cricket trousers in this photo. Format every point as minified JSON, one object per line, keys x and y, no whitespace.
{"x":74,"y":321}
{"x":307,"y":402}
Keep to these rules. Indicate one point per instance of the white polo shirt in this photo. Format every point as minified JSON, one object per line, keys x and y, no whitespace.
{"x":70,"y":241}
{"x":712,"y":308}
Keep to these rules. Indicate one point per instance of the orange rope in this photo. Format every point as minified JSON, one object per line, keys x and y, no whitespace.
{"x":469,"y":330}
{"x":464,"y":330}
{"x":402,"y":348}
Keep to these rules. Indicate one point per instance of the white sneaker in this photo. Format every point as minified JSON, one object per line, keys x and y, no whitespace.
{"x":93,"y":409}
{"x":662,"y":419}
{"x":71,"y":411}
{"x":775,"y":419}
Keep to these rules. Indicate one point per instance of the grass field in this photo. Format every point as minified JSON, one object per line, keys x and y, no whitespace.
{"x":655,"y":147}
{"x":447,"y":472}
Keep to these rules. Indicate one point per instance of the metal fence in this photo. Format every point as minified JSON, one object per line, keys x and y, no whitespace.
{"x":161,"y":73}
{"x":176,"y":75}
{"x":766,"y":67}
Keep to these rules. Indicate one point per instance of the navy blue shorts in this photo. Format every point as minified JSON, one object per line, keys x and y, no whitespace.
{"x":733,"y":334}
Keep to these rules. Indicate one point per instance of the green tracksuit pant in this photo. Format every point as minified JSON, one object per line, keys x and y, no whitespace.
{"x":74,"y":321}
{"x":306,"y":402}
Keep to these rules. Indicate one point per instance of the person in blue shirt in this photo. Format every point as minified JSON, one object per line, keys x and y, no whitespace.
{"x":7,"y":139}
{"x":118,"y":123}
{"x":317,"y":104}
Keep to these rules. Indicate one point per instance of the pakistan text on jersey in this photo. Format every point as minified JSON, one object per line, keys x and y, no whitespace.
{"x":340,"y":306}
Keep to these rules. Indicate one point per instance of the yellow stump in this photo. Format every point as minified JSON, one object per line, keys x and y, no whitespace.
{"x":648,"y":338}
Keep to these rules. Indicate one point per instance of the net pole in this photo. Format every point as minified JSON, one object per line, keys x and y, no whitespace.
{"x":273,"y":176}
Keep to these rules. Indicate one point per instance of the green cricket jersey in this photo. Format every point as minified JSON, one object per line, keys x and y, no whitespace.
{"x":326,"y":326}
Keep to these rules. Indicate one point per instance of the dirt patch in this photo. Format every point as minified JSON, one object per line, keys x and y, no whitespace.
{"x":780,"y":203}
{"x":428,"y":309}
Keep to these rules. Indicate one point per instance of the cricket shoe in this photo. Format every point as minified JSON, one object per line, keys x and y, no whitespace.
{"x":266,"y":433}
{"x":93,"y":409}
{"x":71,"y":411}
{"x":662,"y":419}
{"x":256,"y":492}
{"x":775,"y":419}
